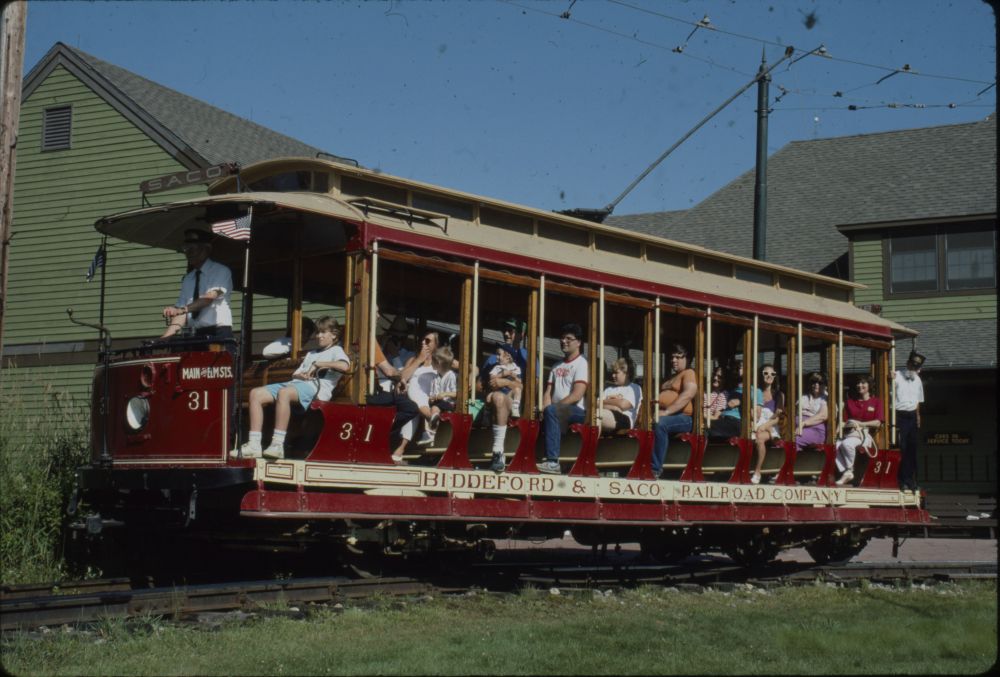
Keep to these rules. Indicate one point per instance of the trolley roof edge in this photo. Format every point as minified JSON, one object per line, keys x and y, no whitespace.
{"x":269,"y":167}
{"x":163,"y":226}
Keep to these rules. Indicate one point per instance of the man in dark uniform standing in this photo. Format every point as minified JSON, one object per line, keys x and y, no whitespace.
{"x":909,"y":391}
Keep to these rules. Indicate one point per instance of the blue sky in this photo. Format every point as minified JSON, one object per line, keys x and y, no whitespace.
{"x":509,"y":100}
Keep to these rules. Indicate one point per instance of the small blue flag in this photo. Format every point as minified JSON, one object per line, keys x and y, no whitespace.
{"x":98,"y":262}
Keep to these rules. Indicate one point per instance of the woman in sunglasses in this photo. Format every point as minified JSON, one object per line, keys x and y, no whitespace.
{"x":767,"y":414}
{"x":421,"y":367}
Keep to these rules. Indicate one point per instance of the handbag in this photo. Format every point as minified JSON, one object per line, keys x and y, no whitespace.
{"x":380,"y":399}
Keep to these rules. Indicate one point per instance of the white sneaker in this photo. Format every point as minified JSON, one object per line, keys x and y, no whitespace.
{"x":247,"y":450}
{"x":426,"y":439}
{"x":755,"y":478}
{"x":550,"y":467}
{"x":515,"y":409}
{"x":276,"y":451}
{"x":845,"y":478}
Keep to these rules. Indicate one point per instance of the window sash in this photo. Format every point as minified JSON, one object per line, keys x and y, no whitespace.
{"x":970,"y":260}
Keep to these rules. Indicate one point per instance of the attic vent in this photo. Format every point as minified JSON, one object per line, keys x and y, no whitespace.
{"x":57,"y":125}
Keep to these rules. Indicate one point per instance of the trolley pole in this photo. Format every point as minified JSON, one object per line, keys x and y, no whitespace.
{"x":760,"y":175}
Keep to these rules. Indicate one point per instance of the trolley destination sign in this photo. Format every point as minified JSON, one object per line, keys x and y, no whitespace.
{"x":189,"y":177}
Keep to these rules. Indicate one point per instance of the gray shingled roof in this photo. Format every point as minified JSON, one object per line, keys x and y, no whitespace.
{"x":813,"y":186}
{"x":203,"y":132}
{"x":938,"y":342}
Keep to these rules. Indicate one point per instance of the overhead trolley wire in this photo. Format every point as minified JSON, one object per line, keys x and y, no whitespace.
{"x":703,"y":24}
{"x":627,"y":36}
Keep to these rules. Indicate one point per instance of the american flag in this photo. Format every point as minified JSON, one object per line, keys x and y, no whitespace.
{"x":234,"y":229}
{"x":98,"y":262}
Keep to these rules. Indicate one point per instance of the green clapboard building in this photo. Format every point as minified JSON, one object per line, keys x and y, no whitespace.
{"x":90,"y":133}
{"x":911,"y":214}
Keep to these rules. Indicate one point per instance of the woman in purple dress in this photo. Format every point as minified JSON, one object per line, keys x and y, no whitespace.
{"x":810,"y":423}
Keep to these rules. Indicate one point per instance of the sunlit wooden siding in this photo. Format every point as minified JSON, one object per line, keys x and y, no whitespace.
{"x":867,"y":263}
{"x":58,"y":196}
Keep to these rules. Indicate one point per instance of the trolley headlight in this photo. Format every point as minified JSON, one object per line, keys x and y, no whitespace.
{"x":147,"y":375}
{"x":137,"y":413}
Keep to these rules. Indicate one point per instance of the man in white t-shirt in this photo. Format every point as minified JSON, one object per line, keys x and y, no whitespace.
{"x":563,"y":401}
{"x":909,"y":395}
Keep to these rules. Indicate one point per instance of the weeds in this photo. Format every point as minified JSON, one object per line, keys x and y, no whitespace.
{"x":43,"y":440}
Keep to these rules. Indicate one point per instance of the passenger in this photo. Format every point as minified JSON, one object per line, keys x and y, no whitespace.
{"x":715,"y":401}
{"x":315,"y":378}
{"x":392,"y":347}
{"x":618,"y":401}
{"x":909,"y":390}
{"x":390,"y":394}
{"x":203,"y":303}
{"x":675,"y":405}
{"x":810,"y":426}
{"x":767,"y":415}
{"x":441,"y":395}
{"x":499,"y":403}
{"x":729,"y":423}
{"x":507,"y":375}
{"x":563,"y":401}
{"x":283,"y":346}
{"x":404,"y":426}
{"x":863,"y":414}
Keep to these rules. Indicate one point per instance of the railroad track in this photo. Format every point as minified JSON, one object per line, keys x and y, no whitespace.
{"x":31,"y":606}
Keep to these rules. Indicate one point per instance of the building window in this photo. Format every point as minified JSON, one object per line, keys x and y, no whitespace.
{"x":57,"y":126}
{"x":941,"y":263}
{"x":913,"y":263}
{"x":970,"y":260}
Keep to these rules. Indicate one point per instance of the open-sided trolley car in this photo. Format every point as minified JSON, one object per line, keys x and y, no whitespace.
{"x":371,"y":248}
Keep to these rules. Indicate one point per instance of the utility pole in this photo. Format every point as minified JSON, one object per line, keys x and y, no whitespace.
{"x":760,"y":175}
{"x":12,"y":21}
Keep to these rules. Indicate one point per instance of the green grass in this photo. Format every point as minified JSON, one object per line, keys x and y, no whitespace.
{"x":43,"y":439}
{"x":947,"y":629}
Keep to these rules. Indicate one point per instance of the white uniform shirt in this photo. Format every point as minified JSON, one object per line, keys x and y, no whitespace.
{"x":626,"y":392}
{"x":564,"y":375}
{"x":909,"y":391}
{"x":214,"y":277}
{"x":330,"y":376}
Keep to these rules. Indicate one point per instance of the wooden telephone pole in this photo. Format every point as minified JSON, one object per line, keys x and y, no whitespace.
{"x":12,"y":21}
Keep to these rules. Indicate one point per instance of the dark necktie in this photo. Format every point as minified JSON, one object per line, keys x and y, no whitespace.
{"x":197,"y":291}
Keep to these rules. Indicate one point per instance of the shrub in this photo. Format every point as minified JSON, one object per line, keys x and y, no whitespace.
{"x":42,"y":442}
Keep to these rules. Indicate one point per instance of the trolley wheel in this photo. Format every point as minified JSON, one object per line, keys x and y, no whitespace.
{"x":837,"y":548}
{"x":752,"y":551}
{"x":664,"y":550}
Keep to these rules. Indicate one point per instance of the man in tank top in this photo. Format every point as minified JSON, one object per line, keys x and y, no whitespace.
{"x":676,"y":407}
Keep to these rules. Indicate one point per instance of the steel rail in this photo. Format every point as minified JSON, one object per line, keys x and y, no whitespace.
{"x":26,"y":607}
{"x":29,"y":612}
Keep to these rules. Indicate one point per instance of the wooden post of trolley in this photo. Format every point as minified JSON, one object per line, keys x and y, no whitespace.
{"x":12,"y":20}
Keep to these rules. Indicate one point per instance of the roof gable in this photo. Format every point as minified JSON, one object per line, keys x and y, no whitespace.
{"x":813,"y":186}
{"x":192,"y":131}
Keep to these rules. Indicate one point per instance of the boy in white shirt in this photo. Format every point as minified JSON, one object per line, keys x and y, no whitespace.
{"x":444,"y":390}
{"x":315,"y":378}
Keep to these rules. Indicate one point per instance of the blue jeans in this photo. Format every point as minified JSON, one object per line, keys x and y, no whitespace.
{"x":665,"y":427}
{"x":553,"y":431}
